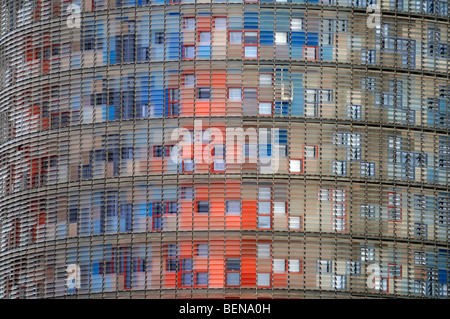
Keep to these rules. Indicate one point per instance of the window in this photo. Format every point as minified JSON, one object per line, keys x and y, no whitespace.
{"x":202,"y":250}
{"x":394,"y":207}
{"x":279,"y":208}
{"x":233,"y":269}
{"x":172,"y":261}
{"x":368,"y":84}
{"x":264,"y":208}
{"x":353,"y":268}
{"x":159,"y":38}
{"x":264,"y":279}
{"x":235,"y":94}
{"x":189,"y":80}
{"x":250,"y":44}
{"x":343,"y":25}
{"x":203,"y":207}
{"x":328,"y":32}
{"x":279,"y":266}
{"x":171,"y":208}
{"x":295,"y":265}
{"x":297,"y":24}
{"x":235,"y":37}
{"x":186,"y":272}
{"x":220,"y":23}
{"x":339,"y":282}
{"x":368,"y":57}
{"x":189,"y":52}
{"x":204,"y":93}
{"x":189,"y":23}
{"x":264,"y":215}
{"x":340,"y":168}
{"x":250,"y":94}
{"x":367,"y":169}
{"x":310,"y":151}
{"x":187,"y":192}
{"x":201,"y":279}
{"x":265,"y":79}
{"x":311,"y":102}
{"x":295,"y":222}
{"x":159,"y":151}
{"x":354,"y":112}
{"x":310,"y":53}
{"x":157,"y":216}
{"x":174,"y":103}
{"x":368,"y":211}
{"x":295,"y":166}
{"x":394,"y":271}
{"x":281,"y":38}
{"x":367,"y":254}
{"x":233,"y":207}
{"x":265,"y":108}
{"x":324,"y":266}
{"x":263,"y":250}
{"x":204,"y":37}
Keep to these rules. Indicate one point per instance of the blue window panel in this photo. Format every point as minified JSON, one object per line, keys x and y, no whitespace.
{"x":150,"y":209}
{"x":108,"y":283}
{"x":111,"y":113}
{"x":443,"y":276}
{"x":96,"y":268}
{"x":266,"y":37}
{"x":283,"y":21}
{"x":157,"y":95}
{"x":281,"y":108}
{"x":142,"y":210}
{"x":97,"y":283}
{"x":266,"y":33}
{"x":298,"y":96}
{"x":327,"y":53}
{"x":204,"y":51}
{"x":282,"y":137}
{"x":235,"y":23}
{"x":98,"y":227}
{"x":313,"y":38}
{"x":267,"y":1}
{"x":298,"y":40}
{"x":173,"y":46}
{"x":250,"y":21}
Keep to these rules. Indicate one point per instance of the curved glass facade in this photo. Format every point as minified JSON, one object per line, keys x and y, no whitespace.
{"x":210,"y":149}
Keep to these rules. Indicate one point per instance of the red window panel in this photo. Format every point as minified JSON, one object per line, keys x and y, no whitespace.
{"x":251,"y":44}
{"x":185,"y":274}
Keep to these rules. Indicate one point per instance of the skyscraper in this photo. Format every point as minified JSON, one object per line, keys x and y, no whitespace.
{"x":213,"y":148}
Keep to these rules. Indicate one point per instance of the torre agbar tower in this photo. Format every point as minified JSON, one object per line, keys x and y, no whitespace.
{"x":213,"y":149}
